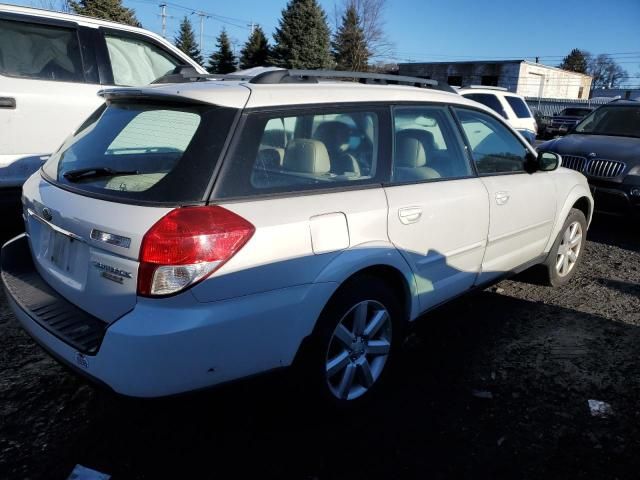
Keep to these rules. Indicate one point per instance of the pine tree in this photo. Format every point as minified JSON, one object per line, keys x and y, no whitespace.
{"x":222,"y":59}
{"x":256,"y":51}
{"x":302,"y":37}
{"x":576,"y":61}
{"x":186,"y":41}
{"x":106,"y":10}
{"x":349,"y":45}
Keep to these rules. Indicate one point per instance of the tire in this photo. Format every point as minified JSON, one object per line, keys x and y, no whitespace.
{"x":560,"y":268}
{"x":355,"y":353}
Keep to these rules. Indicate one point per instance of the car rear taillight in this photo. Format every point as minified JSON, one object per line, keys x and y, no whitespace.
{"x":186,"y":246}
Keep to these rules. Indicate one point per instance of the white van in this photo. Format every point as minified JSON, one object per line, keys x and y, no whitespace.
{"x":51,"y":68}
{"x":511,"y":106}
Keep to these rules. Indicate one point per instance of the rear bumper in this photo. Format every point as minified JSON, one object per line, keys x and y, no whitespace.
{"x":529,"y":135}
{"x":174,"y":345}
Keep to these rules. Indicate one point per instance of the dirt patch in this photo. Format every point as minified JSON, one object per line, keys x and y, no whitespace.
{"x":536,"y":354}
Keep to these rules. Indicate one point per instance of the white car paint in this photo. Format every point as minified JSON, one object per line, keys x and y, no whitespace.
{"x":253,"y":314}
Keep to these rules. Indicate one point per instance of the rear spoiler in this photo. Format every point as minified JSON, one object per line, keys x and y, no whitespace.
{"x":136,"y":94}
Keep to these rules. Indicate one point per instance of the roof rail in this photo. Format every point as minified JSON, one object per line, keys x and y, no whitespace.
{"x":187,"y":73}
{"x":487,"y":87}
{"x":313,"y":76}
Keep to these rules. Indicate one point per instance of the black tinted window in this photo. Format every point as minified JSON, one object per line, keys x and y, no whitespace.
{"x":144,"y":152}
{"x":489,"y":100}
{"x":40,"y":51}
{"x":286,"y":153}
{"x":494,"y":147}
{"x":518,"y":106}
{"x":612,"y":120}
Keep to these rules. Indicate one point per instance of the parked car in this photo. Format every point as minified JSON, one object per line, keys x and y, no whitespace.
{"x":195,"y":233}
{"x":605,"y":146}
{"x":541,"y":123}
{"x":513,"y":108}
{"x":51,"y":68}
{"x":566,"y":119}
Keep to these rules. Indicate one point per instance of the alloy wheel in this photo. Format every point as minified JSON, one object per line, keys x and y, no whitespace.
{"x":358,"y":350}
{"x":569,"y":249}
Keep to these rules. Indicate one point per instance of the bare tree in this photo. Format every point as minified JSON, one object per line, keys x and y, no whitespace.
{"x":371,"y":13}
{"x":606,"y":72}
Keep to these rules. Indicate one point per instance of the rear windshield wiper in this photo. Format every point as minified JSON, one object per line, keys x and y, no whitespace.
{"x":95,"y":172}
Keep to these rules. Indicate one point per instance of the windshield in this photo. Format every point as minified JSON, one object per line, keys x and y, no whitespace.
{"x":144,"y":152}
{"x":620,"y":120}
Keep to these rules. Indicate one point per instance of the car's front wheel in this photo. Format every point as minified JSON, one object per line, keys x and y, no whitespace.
{"x":566,"y":252}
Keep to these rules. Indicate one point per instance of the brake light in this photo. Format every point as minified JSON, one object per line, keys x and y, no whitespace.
{"x":186,"y":246}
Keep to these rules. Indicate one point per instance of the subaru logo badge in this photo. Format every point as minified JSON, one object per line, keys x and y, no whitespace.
{"x":46,"y":214}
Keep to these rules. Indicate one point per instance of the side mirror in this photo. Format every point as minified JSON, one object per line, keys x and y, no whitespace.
{"x":548,"y":161}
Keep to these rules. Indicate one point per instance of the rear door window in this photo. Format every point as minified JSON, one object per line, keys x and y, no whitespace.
{"x":427,"y":145}
{"x":136,"y":62}
{"x":39,"y":51}
{"x":519,"y":107}
{"x":148,"y":152}
{"x":279,"y":153}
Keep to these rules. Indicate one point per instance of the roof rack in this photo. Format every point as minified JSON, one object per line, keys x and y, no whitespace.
{"x":187,"y":73}
{"x":487,"y":87}
{"x":313,"y":76}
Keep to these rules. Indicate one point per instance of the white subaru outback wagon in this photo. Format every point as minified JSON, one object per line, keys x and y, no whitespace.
{"x":193,"y":233}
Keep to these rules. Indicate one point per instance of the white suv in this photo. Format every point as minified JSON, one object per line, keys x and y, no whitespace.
{"x":512,"y":107}
{"x":191,"y":234}
{"x":51,"y":67}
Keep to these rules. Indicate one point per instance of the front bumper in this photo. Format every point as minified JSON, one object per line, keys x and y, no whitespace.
{"x":174,"y":345}
{"x":615,"y":198}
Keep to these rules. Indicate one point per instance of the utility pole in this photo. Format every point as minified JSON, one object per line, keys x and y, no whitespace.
{"x":163,"y":15}
{"x":202,"y":16}
{"x":252,"y":26}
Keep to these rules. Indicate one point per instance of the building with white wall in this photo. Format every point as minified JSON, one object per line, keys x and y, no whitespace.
{"x":519,"y":76}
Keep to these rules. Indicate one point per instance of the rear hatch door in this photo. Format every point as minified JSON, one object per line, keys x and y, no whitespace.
{"x":131,"y":163}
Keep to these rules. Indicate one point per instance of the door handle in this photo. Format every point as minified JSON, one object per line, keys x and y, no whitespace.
{"x":7,"y":102}
{"x":502,"y":197}
{"x":409,"y":215}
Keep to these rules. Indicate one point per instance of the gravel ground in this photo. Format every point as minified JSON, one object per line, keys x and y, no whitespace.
{"x":494,"y":385}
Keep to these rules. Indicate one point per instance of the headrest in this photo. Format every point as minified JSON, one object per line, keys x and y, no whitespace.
{"x":427,"y":139}
{"x":410,"y":152}
{"x":335,"y":135}
{"x":306,"y":156}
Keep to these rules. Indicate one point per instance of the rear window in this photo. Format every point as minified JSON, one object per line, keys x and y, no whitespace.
{"x":40,"y":52}
{"x":518,"y":106}
{"x":488,"y":100}
{"x":162,"y":153}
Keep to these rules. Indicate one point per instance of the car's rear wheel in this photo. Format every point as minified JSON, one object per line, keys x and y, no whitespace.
{"x":566,"y":253}
{"x":355,"y":342}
